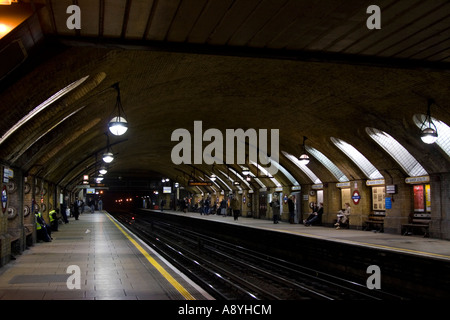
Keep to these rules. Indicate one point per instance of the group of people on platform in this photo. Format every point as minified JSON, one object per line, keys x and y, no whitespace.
{"x":44,"y":230}
{"x":317,"y":211}
{"x":204,"y":207}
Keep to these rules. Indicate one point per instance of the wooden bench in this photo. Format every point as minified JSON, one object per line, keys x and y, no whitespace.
{"x":375,"y":221}
{"x":420,"y":221}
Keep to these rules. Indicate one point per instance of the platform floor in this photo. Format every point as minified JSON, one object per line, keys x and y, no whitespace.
{"x":113,"y":265}
{"x":415,"y":245}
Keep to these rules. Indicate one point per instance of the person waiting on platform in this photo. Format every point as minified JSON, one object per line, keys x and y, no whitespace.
{"x":43,"y":231}
{"x":235,"y":206}
{"x":314,"y":208}
{"x":206,"y":205}
{"x":275,"y":204}
{"x":342,"y":216}
{"x":291,"y":207}
{"x":315,"y":217}
{"x":76,"y":208}
{"x":53,"y":215}
{"x":223,"y":207}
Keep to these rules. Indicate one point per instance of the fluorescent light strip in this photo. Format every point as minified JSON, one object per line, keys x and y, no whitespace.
{"x":411,"y":166}
{"x":338,"y":174}
{"x":41,"y":107}
{"x":358,"y":158}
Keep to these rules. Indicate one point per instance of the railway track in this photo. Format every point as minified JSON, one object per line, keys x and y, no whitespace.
{"x":230,"y":272}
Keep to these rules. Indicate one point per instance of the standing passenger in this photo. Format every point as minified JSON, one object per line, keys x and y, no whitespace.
{"x":291,"y":207}
{"x":235,"y":206}
{"x":65,"y":210}
{"x":223,"y":207}
{"x":207,"y":205}
{"x":275,"y":204}
{"x":91,"y":204}
{"x":76,"y":208}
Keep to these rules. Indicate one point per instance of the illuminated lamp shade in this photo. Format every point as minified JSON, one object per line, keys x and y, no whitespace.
{"x":108,"y":157}
{"x":429,"y":135}
{"x":118,"y":126}
{"x":103,"y":170}
{"x":213,"y":177}
{"x":304,"y":159}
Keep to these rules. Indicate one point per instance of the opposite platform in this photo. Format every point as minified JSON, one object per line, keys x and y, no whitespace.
{"x":415,"y":245}
{"x":113,"y":265}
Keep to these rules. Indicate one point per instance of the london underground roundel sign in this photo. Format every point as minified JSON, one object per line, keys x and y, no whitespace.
{"x":356,"y":197}
{"x":4,"y":199}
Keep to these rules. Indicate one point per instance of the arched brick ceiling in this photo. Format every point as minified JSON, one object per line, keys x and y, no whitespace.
{"x":308,"y":88}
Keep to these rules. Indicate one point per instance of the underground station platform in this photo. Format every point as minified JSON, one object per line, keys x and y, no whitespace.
{"x":111,"y":263}
{"x":413,"y":266}
{"x":114,"y":264}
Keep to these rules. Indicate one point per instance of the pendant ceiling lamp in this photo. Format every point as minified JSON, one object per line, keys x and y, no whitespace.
{"x":428,"y":129}
{"x":108,"y":156}
{"x":304,"y":158}
{"x":118,"y":125}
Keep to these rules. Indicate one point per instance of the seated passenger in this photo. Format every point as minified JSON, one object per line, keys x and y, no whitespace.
{"x":53,"y":215}
{"x":312,"y":214}
{"x":42,"y":229}
{"x":342,"y":216}
{"x":316,"y":216}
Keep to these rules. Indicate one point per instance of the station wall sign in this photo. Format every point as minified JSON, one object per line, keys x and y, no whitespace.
{"x":343,"y":184}
{"x":356,"y":197}
{"x":392,"y":188}
{"x":388,"y":203}
{"x":4,"y":199}
{"x":375,"y":182}
{"x":199,"y":183}
{"x":418,"y":180}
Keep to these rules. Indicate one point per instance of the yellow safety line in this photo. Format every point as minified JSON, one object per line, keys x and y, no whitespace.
{"x":158,"y":267}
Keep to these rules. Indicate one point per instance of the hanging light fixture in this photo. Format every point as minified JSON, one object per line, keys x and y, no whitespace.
{"x":118,"y":125}
{"x":428,"y":130}
{"x":236,"y":182}
{"x":304,"y":158}
{"x":103,"y":170}
{"x":108,"y":156}
{"x":212,"y":177}
{"x":245,"y":171}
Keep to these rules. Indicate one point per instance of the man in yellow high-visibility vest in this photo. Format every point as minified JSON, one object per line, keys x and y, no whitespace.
{"x":53,"y":215}
{"x":41,"y":228}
